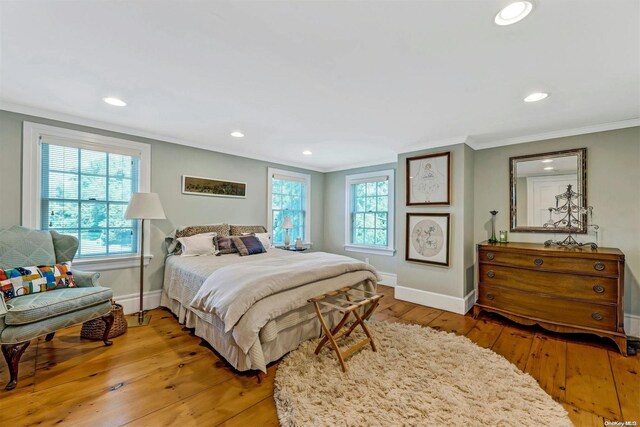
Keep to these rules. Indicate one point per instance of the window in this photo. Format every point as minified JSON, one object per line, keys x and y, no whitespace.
{"x":369,"y":216}
{"x":80,"y":184}
{"x":289,"y":196}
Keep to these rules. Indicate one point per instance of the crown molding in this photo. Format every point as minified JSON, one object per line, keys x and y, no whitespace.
{"x":100,"y":125}
{"x":561,"y":133}
{"x":378,"y":162}
{"x":434,"y":144}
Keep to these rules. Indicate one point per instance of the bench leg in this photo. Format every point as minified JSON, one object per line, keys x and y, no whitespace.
{"x":49,"y":337}
{"x":108,"y":323}
{"x":12,"y":354}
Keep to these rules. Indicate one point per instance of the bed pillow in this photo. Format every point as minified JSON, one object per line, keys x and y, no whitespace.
{"x":20,"y":281}
{"x":239,"y":230}
{"x":248,"y":245}
{"x":198,"y":244}
{"x":224,"y":245}
{"x":265,"y":239}
{"x":175,"y":248}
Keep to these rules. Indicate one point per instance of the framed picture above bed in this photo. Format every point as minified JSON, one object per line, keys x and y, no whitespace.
{"x":429,"y":180}
{"x":199,"y":186}
{"x":428,"y":238}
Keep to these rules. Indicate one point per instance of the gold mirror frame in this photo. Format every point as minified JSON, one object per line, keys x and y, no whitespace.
{"x":581,"y":173}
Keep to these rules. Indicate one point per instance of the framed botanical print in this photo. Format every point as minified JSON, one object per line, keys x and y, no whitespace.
{"x":428,"y":238}
{"x":429,"y":180}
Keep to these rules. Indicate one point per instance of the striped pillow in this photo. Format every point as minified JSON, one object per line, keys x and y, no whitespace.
{"x":20,"y":281}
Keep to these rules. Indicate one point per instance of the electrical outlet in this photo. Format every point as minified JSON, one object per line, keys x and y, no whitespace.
{"x":366,"y":260}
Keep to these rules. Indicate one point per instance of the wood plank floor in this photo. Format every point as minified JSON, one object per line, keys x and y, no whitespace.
{"x":162,"y":375}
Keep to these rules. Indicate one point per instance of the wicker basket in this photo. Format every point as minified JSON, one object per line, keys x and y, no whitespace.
{"x":94,"y":329}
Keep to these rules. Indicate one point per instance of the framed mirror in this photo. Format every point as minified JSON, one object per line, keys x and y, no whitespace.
{"x":534,"y":182}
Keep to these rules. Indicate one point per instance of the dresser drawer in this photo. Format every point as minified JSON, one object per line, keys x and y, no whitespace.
{"x":549,"y":308}
{"x":551,"y":263}
{"x":596,"y":289}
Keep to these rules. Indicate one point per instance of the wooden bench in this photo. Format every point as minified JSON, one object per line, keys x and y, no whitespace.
{"x":347,"y":301}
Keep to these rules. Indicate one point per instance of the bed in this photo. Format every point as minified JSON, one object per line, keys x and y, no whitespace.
{"x":275,"y":316}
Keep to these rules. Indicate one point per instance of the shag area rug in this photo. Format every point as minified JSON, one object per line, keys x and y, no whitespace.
{"x":418,"y":377}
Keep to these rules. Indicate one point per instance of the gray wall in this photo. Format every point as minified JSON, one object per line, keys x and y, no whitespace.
{"x":334,"y":217}
{"x":613,"y":180}
{"x":450,"y":280}
{"x":168,"y":163}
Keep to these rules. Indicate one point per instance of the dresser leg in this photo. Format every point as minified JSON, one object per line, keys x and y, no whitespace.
{"x":621,"y":342}
{"x":476,"y":311}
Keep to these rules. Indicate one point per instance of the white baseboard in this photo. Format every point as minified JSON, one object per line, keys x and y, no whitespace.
{"x":632,"y":325}
{"x":388,"y":279}
{"x":131,"y":303}
{"x":431,"y":299}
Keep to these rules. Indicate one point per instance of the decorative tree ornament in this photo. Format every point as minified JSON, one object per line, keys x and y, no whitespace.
{"x":573,"y":217}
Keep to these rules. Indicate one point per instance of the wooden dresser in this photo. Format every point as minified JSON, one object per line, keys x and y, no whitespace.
{"x":563,"y":290}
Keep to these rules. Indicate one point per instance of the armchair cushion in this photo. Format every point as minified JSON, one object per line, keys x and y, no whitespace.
{"x":41,"y":306}
{"x":23,"y":246}
{"x":21,"y":281}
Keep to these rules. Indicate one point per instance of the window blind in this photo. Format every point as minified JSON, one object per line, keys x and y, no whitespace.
{"x":85,"y":192}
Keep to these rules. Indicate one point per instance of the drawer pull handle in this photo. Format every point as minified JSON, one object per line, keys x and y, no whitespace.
{"x":597,"y":316}
{"x":599,"y":266}
{"x":598,"y":289}
{"x":491,"y":274}
{"x":490,"y":297}
{"x":538,"y":261}
{"x":490,"y":256}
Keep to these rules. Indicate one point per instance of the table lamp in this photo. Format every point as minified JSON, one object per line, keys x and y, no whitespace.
{"x":287,"y":225}
{"x":143,"y":206}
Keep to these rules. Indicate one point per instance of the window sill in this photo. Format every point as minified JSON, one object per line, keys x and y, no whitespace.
{"x":110,"y":263}
{"x":370,"y":250}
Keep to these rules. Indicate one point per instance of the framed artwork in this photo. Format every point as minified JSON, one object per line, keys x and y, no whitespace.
{"x":429,"y":180}
{"x":428,"y":238}
{"x":200,"y":186}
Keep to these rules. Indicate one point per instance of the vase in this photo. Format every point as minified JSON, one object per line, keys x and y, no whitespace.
{"x":493,"y":239}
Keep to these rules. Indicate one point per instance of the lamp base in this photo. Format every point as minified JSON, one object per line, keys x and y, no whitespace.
{"x":136,"y":320}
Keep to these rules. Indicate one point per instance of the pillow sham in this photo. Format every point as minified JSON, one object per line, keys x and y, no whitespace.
{"x":224,"y":245}
{"x":265,"y":239}
{"x":248,"y":245}
{"x":20,"y":281}
{"x":175,"y":248}
{"x":198,"y":244}
{"x":239,"y":230}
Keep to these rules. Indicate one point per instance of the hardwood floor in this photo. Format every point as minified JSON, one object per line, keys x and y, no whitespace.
{"x":163,"y":375}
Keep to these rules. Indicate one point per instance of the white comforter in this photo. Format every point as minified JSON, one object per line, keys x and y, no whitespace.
{"x":246,"y":296}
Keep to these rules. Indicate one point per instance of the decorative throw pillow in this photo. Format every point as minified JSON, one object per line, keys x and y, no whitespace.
{"x":265,"y":239}
{"x":174,"y":246}
{"x":248,"y":245}
{"x":198,"y":244}
{"x":224,"y":245}
{"x":20,"y":281}
{"x":239,"y":230}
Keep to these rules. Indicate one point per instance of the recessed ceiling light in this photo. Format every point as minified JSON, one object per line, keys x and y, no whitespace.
{"x":536,"y":96}
{"x":547,"y":160}
{"x":307,"y":153}
{"x":549,"y":168}
{"x":114,"y":101}
{"x":513,"y":13}
{"x":237,"y":134}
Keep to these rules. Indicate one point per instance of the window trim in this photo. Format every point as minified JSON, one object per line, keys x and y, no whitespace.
{"x":31,"y":174}
{"x":388,"y":250}
{"x":306,"y":178}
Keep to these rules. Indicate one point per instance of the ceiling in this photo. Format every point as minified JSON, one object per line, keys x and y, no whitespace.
{"x":354,"y":82}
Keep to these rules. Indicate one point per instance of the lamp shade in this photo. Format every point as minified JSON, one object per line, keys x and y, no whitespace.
{"x":286,"y":223}
{"x":144,"y":206}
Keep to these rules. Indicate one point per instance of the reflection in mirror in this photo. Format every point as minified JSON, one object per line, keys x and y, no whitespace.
{"x":535,"y":182}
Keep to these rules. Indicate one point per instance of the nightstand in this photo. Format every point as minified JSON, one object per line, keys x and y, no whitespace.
{"x":292,"y":248}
